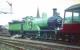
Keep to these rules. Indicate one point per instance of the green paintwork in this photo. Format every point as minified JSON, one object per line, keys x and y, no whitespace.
{"x":42,"y":22}
{"x":30,"y":27}
{"x":15,"y":26}
{"x":35,"y":24}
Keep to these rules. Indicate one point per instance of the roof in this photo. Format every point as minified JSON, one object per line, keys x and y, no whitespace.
{"x":74,"y":8}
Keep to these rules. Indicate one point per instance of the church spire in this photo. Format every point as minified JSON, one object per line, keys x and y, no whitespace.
{"x":38,"y":15}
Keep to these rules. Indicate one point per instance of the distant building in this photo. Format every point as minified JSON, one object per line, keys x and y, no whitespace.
{"x":38,"y":15}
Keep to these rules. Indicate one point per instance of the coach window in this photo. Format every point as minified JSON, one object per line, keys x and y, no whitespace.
{"x":76,"y":18}
{"x":68,"y":17}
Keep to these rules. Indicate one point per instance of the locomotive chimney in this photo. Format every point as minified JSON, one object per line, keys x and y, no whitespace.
{"x":54,"y":11}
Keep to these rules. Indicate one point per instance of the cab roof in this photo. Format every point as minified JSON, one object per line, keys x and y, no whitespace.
{"x":74,"y":8}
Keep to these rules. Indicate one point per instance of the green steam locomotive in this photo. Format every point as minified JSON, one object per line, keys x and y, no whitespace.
{"x":37,"y":27}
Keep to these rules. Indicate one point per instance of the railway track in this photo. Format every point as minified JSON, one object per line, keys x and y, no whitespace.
{"x":22,"y":44}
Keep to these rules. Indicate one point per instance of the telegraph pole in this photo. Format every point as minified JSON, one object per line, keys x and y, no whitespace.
{"x":10,"y":4}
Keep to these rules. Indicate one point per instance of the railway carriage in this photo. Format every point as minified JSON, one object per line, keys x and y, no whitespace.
{"x":71,"y":25}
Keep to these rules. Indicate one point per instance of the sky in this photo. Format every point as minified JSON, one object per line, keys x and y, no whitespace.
{"x":23,"y":8}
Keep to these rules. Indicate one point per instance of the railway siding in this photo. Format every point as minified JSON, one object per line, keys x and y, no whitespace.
{"x":22,"y":44}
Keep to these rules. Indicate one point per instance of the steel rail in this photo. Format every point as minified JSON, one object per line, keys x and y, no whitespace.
{"x":36,"y":44}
